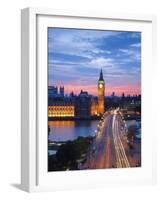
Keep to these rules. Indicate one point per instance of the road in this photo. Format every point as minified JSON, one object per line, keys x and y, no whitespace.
{"x":107,"y":150}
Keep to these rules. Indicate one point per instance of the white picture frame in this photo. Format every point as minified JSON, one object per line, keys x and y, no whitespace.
{"x":33,"y":76}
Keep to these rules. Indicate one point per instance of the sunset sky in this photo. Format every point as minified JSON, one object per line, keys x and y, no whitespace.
{"x":76,"y":56}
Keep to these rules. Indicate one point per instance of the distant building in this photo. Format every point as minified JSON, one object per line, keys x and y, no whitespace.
{"x":61,"y":91}
{"x":82,"y":105}
{"x":71,"y":94}
{"x":61,"y":108}
{"x":94,"y":106}
{"x":78,"y":106}
{"x":113,"y":94}
{"x":52,"y":91}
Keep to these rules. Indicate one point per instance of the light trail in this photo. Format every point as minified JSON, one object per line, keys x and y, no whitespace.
{"x":107,"y":150}
{"x":122,"y":148}
{"x":121,"y":157}
{"x":118,"y":160}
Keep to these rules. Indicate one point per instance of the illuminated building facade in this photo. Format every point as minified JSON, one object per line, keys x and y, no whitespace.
{"x":64,"y":110}
{"x":82,"y":106}
{"x":101,"y":93}
{"x":94,"y":107}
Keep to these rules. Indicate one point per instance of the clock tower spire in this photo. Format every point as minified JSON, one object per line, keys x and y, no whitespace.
{"x":101,"y":76}
{"x":101,"y":93}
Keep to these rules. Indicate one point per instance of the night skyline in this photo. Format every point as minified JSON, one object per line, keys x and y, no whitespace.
{"x":76,"y":56}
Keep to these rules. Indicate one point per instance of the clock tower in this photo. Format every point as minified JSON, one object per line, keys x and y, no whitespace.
{"x":101,"y":94}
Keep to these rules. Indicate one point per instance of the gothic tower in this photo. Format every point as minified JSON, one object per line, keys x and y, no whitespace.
{"x":101,"y":93}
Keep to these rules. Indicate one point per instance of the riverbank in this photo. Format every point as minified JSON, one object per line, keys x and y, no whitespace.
{"x":69,"y":155}
{"x":74,"y":118}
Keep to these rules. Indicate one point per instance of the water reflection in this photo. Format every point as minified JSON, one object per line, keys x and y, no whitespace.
{"x":58,"y":124}
{"x":70,"y":130}
{"x":138,"y":126}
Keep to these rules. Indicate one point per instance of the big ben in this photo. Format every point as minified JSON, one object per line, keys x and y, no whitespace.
{"x":101,"y":94}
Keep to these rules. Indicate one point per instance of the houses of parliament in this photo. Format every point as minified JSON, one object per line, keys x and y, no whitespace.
{"x":82,"y":106}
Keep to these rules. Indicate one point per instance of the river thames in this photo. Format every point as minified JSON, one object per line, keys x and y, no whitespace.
{"x":71,"y":130}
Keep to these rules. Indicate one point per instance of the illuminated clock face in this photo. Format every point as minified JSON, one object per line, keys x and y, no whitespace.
{"x":100,"y":85}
